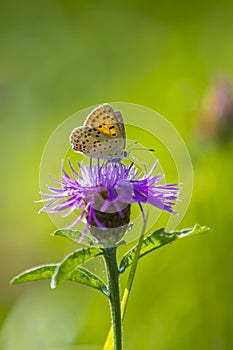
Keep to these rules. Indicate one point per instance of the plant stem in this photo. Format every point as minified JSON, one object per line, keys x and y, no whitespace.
{"x":114,"y":295}
{"x":109,"y":340}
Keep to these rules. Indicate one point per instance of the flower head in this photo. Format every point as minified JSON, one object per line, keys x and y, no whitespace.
{"x":216,"y":114}
{"x":104,"y":194}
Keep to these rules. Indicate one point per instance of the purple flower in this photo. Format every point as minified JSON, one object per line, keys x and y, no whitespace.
{"x":103,"y":194}
{"x":216,"y":114}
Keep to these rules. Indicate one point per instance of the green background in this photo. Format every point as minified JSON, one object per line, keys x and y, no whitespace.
{"x":58,"y":57}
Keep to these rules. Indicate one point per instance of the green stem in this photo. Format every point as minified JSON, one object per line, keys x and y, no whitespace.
{"x":114,"y":295}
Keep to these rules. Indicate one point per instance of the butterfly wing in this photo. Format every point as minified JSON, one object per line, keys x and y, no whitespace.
{"x":93,"y":143}
{"x":108,"y":121}
{"x":102,"y":136}
{"x":121,"y":125}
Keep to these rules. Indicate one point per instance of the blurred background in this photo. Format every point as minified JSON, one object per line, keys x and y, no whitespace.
{"x":60,"y":56}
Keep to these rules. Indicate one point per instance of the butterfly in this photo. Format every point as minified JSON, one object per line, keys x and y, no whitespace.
{"x":102,"y":135}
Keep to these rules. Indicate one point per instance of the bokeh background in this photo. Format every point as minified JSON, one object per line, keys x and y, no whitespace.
{"x":60,"y":56}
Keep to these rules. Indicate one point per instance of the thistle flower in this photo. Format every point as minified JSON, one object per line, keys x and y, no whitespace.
{"x":103,"y":195}
{"x":216,"y":115}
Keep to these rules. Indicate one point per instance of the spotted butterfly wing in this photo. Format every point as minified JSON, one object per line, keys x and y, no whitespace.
{"x":106,"y":120}
{"x":102,"y":136}
{"x":121,"y":126}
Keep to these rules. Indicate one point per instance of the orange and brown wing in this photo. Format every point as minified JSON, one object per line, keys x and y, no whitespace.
{"x":104,"y":119}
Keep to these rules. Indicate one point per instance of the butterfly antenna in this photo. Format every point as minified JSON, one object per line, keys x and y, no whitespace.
{"x":143,"y":149}
{"x":129,"y":148}
{"x":132,"y":144}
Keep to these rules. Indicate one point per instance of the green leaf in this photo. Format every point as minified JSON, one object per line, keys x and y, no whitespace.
{"x":73,"y":235}
{"x":79,"y":275}
{"x":42,"y":272}
{"x":84,"y":276}
{"x":156,"y":240}
{"x":70,"y":263}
